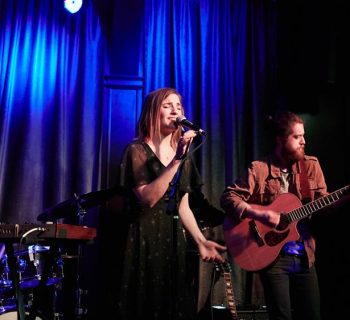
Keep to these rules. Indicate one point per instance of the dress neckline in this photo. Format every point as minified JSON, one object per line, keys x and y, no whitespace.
{"x":152,"y":153}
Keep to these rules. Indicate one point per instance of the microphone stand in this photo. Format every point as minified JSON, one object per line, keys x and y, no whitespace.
{"x":173,"y":186}
{"x":81,"y":294}
{"x":170,"y":210}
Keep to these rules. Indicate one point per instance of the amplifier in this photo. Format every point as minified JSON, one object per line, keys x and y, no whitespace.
{"x":222,"y":313}
{"x":253,"y":315}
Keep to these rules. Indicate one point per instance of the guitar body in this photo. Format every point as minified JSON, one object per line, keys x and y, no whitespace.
{"x":252,"y":244}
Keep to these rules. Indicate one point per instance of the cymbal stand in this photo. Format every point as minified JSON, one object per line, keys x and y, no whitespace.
{"x":81,"y":294}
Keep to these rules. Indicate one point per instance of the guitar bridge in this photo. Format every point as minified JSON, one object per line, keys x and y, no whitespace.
{"x":256,"y":234}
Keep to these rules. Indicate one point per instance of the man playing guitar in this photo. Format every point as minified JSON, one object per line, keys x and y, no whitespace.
{"x":260,"y":236}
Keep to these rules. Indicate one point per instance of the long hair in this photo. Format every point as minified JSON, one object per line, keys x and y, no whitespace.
{"x":149,"y":122}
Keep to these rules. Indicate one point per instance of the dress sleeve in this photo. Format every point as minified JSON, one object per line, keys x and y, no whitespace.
{"x":133,"y":167}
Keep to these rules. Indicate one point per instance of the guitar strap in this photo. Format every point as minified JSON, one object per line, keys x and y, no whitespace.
{"x":304,"y":183}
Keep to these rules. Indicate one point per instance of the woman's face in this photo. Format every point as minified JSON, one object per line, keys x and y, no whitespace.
{"x":170,"y":109}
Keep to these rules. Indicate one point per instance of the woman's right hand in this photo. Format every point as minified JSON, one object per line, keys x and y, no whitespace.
{"x":184,"y":143}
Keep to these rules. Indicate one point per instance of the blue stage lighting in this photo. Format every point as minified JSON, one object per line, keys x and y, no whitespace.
{"x":73,"y":6}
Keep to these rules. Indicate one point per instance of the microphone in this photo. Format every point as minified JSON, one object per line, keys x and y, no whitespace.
{"x":181,"y":120}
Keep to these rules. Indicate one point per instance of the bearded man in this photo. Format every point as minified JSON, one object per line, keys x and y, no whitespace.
{"x":290,"y":281}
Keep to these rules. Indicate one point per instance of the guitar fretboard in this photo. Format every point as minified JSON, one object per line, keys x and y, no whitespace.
{"x":225,"y":267}
{"x":316,"y":205}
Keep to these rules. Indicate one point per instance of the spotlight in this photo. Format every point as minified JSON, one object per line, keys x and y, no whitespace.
{"x":73,"y":6}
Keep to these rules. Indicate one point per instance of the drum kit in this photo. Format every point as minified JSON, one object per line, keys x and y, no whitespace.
{"x":30,"y":264}
{"x":23,"y":270}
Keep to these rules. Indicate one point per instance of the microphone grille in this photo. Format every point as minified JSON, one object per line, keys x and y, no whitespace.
{"x":179,"y":119}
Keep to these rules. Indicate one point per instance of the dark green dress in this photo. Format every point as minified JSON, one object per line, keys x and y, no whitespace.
{"x":157,"y":282}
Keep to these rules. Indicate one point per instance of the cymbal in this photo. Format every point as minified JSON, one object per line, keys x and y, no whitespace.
{"x":32,"y":249}
{"x":72,"y":207}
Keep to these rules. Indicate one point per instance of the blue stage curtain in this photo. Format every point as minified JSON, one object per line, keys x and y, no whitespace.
{"x":51,"y":71}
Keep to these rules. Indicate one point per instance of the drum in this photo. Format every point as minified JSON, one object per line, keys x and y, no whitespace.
{"x":8,"y":307}
{"x":30,"y":264}
{"x":12,"y":315}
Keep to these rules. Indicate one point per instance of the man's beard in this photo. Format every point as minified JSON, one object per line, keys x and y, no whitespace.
{"x":294,"y":155}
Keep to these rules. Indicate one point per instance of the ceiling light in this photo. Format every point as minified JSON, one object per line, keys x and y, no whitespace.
{"x":73,"y":6}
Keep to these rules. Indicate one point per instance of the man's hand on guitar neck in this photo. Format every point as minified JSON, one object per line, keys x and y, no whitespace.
{"x":268,"y":217}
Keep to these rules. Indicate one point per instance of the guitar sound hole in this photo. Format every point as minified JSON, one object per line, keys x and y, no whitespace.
{"x":283,"y":223}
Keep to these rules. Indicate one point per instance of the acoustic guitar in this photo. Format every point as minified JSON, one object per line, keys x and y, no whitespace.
{"x":254,"y":245}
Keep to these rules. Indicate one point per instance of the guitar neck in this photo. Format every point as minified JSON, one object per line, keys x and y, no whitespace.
{"x":229,"y":290}
{"x":317,"y":205}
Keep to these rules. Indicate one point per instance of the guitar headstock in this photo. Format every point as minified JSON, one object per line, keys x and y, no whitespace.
{"x":347,"y":189}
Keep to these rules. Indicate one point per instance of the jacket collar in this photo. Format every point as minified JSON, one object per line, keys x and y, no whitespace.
{"x":275,"y":170}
